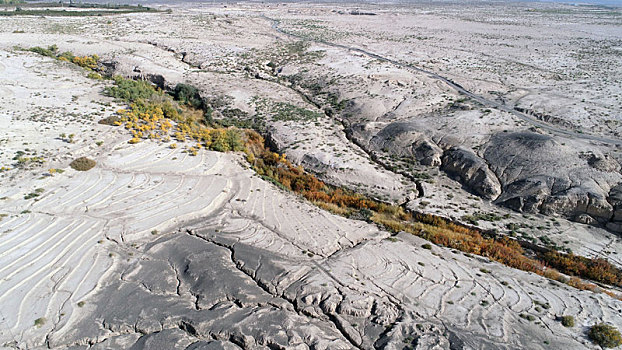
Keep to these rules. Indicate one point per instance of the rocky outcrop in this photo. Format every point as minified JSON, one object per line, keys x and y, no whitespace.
{"x":143,"y":69}
{"x":539,"y":174}
{"x":603,"y":163}
{"x":472,"y":171}
{"x":406,"y":139}
{"x":427,"y":152}
{"x":539,"y":195}
{"x":615,"y":199}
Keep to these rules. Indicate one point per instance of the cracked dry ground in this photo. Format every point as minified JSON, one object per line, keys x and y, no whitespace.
{"x":267,"y":270}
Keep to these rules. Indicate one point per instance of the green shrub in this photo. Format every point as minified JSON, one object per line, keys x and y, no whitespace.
{"x":567,"y":321}
{"x":40,"y":322}
{"x":67,"y":56}
{"x":51,"y":51}
{"x":235,"y":113}
{"x":426,"y":246}
{"x":219,"y":142}
{"x":234,"y":140}
{"x":82,"y":164}
{"x":131,"y":90}
{"x":188,"y":95}
{"x":227,"y":140}
{"x":605,"y":335}
{"x":528,"y":317}
{"x":31,"y":196}
{"x":95,"y":76}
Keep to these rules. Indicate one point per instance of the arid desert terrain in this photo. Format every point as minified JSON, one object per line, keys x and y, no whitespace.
{"x":430,"y":175}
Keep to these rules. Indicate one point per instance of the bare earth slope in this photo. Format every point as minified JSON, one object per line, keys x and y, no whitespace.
{"x":156,"y":249}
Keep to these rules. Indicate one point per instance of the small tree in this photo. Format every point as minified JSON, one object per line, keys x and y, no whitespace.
{"x":188,"y":95}
{"x":234,"y":140}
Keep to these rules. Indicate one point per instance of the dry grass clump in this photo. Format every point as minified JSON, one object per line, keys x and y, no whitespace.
{"x":112,"y":120}
{"x":567,"y":321}
{"x":82,"y":164}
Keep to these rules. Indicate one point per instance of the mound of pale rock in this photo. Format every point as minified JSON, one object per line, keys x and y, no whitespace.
{"x":525,"y":171}
{"x":405,"y":139}
{"x":472,"y":171}
{"x":541,"y":175}
{"x":408,"y":139}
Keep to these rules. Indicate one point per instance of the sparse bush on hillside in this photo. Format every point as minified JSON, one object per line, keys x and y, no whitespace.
{"x":287,"y":111}
{"x":605,"y":335}
{"x":82,"y":164}
{"x":473,"y":219}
